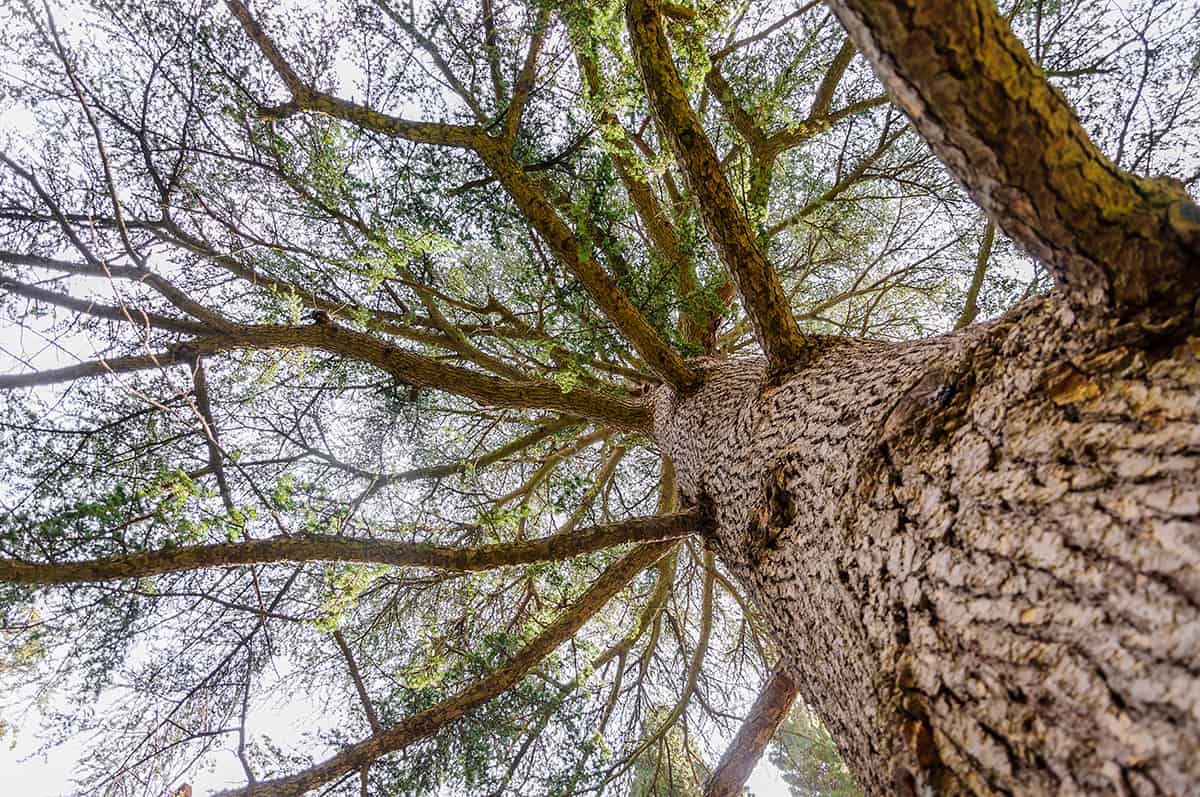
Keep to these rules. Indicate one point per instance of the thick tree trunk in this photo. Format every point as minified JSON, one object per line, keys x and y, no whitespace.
{"x":980,"y":553}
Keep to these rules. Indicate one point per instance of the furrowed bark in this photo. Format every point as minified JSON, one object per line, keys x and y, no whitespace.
{"x":428,"y":722}
{"x":329,"y":548}
{"x":727,"y":226}
{"x":979,"y":553}
{"x":1112,"y":239}
{"x":752,"y":738}
{"x":412,"y":368}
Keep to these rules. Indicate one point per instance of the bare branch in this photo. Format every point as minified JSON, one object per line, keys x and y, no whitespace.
{"x":359,"y":686}
{"x":306,"y":98}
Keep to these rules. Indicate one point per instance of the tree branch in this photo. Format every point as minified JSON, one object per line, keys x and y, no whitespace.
{"x":525,"y":79}
{"x":1110,"y":238}
{"x":727,"y":225}
{"x":751,"y":740}
{"x":359,"y":686}
{"x":824,"y":97}
{"x":600,"y":285}
{"x":306,"y":98}
{"x":540,"y":214}
{"x":428,"y":722}
{"x":971,"y":305}
{"x":412,"y":368}
{"x":127,"y":314}
{"x":329,"y":548}
{"x":653,"y":216}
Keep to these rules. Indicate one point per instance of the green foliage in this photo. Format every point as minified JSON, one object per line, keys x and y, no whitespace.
{"x":808,"y":758}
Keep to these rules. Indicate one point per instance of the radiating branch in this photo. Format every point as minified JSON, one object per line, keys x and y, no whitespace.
{"x":728,"y":228}
{"x":306,"y":98}
{"x":410,"y":367}
{"x":123,"y":313}
{"x":532,"y":203}
{"x":330,"y":548}
{"x":428,"y":722}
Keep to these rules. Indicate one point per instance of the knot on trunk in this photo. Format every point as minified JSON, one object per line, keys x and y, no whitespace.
{"x":776,"y":512}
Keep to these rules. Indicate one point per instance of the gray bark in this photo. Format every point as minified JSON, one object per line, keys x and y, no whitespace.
{"x":979,"y":553}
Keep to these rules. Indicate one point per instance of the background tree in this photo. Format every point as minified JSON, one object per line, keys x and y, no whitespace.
{"x":803,"y":750}
{"x":530,"y":384}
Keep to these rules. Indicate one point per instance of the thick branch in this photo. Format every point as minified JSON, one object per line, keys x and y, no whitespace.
{"x":408,"y":366}
{"x":604,"y":290}
{"x":428,"y":722}
{"x":751,"y":740}
{"x":973,"y":92}
{"x":727,"y":226}
{"x":653,"y":215}
{"x":540,"y":214}
{"x":833,"y":76}
{"x":329,"y":548}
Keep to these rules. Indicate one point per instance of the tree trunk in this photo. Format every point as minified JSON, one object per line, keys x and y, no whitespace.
{"x":979,"y":553}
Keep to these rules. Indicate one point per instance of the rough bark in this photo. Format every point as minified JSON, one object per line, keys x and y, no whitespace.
{"x":979,"y":553}
{"x":1111,"y":238}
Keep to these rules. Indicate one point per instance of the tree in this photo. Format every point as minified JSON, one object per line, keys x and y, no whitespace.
{"x":804,"y":751}
{"x":507,"y":373}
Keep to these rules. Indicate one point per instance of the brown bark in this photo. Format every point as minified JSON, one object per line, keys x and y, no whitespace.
{"x":328,"y":548}
{"x":1111,"y":238}
{"x":980,"y":553}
